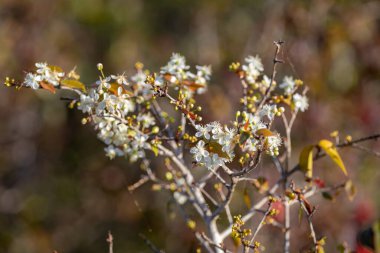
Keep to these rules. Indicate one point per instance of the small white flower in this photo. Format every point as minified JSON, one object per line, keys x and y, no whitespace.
{"x":180,"y":198}
{"x":203,"y":131}
{"x":251,"y":145}
{"x":32,"y":81}
{"x":120,"y":79}
{"x":224,"y":137}
{"x":146,"y":119}
{"x":268,"y":111}
{"x":266,"y":82}
{"x":42,"y":68}
{"x":273,"y":143}
{"x":204,"y":71}
{"x":104,"y":83}
{"x":112,"y":152}
{"x":300,"y":102}
{"x":288,"y":84}
{"x":200,"y":153}
{"x":255,"y":62}
{"x":255,"y":122}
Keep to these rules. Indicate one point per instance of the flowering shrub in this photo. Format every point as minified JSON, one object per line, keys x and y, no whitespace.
{"x":128,"y":118}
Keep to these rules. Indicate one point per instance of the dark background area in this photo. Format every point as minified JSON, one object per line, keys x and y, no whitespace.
{"x":59,"y":191}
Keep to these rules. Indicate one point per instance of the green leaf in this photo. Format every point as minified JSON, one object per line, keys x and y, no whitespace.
{"x":306,"y":161}
{"x":300,"y":214}
{"x":75,"y":84}
{"x":328,"y":196}
{"x":332,"y":152}
{"x":155,"y":150}
{"x":244,"y":136}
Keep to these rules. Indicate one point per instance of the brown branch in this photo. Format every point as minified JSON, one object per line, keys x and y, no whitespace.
{"x":276,"y":61}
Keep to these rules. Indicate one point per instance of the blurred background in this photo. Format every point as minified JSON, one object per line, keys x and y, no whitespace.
{"x":57,"y":189}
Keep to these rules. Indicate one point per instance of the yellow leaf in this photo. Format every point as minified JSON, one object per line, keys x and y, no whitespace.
{"x":55,"y":68}
{"x":264,"y":132}
{"x":376,"y":231}
{"x":246,"y":198}
{"x":306,"y":160}
{"x":331,"y":151}
{"x":75,"y":84}
{"x":115,"y":89}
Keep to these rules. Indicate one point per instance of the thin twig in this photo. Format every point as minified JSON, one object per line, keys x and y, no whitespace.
{"x":321,"y":154}
{"x":261,"y":224}
{"x":151,"y":246}
{"x":276,"y":61}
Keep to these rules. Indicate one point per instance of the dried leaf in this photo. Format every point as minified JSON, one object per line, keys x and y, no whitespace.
{"x":47,"y":86}
{"x":350,"y":190}
{"x":216,"y":148}
{"x":115,"y":87}
{"x":75,"y":84}
{"x":328,"y":196}
{"x":73,"y":74}
{"x":246,"y":198}
{"x":332,"y":152}
{"x":307,"y":204}
{"x":193,"y":86}
{"x":306,"y":161}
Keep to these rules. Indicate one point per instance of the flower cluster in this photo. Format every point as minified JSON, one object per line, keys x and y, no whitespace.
{"x":177,"y":72}
{"x":44,"y":73}
{"x":120,"y":108}
{"x":254,"y":132}
{"x":215,"y":145}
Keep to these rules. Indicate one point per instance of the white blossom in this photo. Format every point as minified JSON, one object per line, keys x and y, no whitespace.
{"x":176,"y":66}
{"x":120,"y":79}
{"x":288,"y":84}
{"x":112,"y":152}
{"x":300,"y":102}
{"x":268,"y":111}
{"x":32,"y":81}
{"x":200,"y":153}
{"x":104,"y":83}
{"x":146,"y":119}
{"x":272,"y":144}
{"x":202,"y":131}
{"x":48,"y":74}
{"x":253,"y":69}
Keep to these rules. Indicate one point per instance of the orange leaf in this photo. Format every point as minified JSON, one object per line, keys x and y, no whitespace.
{"x":264,"y":132}
{"x":47,"y":86}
